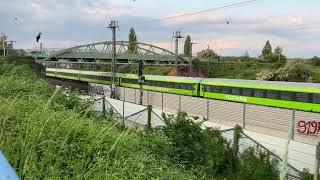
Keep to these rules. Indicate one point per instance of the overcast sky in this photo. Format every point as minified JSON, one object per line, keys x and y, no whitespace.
{"x":291,"y":24}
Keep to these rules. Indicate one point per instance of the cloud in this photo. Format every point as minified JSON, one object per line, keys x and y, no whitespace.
{"x":67,"y":23}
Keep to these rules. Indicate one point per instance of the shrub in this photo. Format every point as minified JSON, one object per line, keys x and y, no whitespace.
{"x":203,"y":150}
{"x":315,"y":61}
{"x":266,"y":75}
{"x":306,"y":175}
{"x":255,"y":164}
{"x":294,"y":71}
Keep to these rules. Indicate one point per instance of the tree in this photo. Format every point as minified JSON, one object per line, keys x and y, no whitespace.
{"x":245,"y":56}
{"x":266,"y":51}
{"x":206,"y":54}
{"x":315,"y":61}
{"x":133,"y":41}
{"x":187,"y":47}
{"x":278,"y":52}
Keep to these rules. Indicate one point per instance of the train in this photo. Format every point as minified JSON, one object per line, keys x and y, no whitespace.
{"x":289,"y":95}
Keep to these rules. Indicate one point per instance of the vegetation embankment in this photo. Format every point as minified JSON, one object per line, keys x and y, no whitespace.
{"x":46,"y":134}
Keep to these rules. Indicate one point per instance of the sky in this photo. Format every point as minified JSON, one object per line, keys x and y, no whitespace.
{"x":293,"y":25}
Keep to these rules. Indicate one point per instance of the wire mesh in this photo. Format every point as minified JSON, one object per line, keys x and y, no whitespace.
{"x":246,"y":142}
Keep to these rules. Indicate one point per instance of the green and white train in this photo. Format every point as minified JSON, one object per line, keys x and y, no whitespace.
{"x":291,"y":95}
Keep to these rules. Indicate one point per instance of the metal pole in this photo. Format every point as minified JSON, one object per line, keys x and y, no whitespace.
{"x":149,"y":117}
{"x":293,"y":123}
{"x":190,"y":62}
{"x":162,"y":101}
{"x":177,"y":50}
{"x":207,"y":109}
{"x":244,"y":116}
{"x":179,"y":103}
{"x":177,"y":36}
{"x":123,"y":108}
{"x":141,"y":94}
{"x":104,"y":105}
{"x":316,"y":170}
{"x":113,"y":25}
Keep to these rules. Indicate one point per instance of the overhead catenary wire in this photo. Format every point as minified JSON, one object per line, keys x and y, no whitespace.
{"x":243,"y":3}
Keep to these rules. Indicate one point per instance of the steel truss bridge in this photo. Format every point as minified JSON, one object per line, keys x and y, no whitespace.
{"x":101,"y":53}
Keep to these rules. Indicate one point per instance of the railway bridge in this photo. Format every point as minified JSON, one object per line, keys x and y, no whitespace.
{"x":101,"y":53}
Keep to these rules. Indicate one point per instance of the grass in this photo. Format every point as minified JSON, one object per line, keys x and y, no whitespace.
{"x":44,"y":139}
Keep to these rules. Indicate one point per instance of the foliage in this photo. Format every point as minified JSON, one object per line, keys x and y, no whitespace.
{"x":206,"y":54}
{"x":202,"y":150}
{"x":306,"y":175}
{"x":315,"y":61}
{"x":133,"y":41}
{"x":266,"y":75}
{"x":255,"y":164}
{"x":245,"y":57}
{"x":209,"y":155}
{"x":292,"y":71}
{"x":267,"y":50}
{"x":44,"y":136}
{"x":187,"y":47}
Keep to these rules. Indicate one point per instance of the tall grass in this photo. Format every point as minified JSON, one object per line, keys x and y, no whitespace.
{"x":43,"y":139}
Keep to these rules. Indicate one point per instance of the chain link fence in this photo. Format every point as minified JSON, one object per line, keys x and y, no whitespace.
{"x":275,"y":122}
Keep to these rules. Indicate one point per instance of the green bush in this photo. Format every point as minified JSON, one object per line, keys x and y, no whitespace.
{"x":204,"y":151}
{"x":306,"y":175}
{"x":315,"y":61}
{"x":45,"y":136}
{"x":255,"y":164}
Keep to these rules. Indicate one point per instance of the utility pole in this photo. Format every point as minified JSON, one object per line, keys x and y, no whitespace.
{"x":113,"y":25}
{"x":177,"y":36}
{"x":209,"y":58}
{"x":190,"y":63}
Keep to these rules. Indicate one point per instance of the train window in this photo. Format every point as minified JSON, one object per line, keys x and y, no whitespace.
{"x":217,"y":89}
{"x":226,"y":90}
{"x":206,"y":88}
{"x":303,"y":97}
{"x":316,"y":98}
{"x":259,"y":93}
{"x":288,"y":96}
{"x":273,"y":94}
{"x":236,"y":91}
{"x":130,"y":81}
{"x":247,"y":92}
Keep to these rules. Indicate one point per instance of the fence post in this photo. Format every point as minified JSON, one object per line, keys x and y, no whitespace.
{"x":104,"y":105}
{"x":244,"y":116}
{"x":179,"y":103}
{"x":293,"y":123}
{"x":316,"y":170}
{"x":235,"y":142}
{"x":207,"y":109}
{"x":162,"y":101}
{"x":124,"y":93}
{"x":149,"y":116}
{"x":123,"y":108}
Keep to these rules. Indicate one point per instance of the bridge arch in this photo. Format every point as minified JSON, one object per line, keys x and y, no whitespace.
{"x":102,"y":52}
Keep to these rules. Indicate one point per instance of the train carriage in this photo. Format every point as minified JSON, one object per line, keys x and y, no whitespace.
{"x":168,"y":84}
{"x":292,"y":95}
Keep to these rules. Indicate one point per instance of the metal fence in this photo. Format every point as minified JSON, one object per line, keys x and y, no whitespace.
{"x":275,"y":123}
{"x":144,"y":117}
{"x":127,"y":113}
{"x":246,"y":142}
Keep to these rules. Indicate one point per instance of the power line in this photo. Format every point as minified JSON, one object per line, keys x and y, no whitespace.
{"x":243,"y":3}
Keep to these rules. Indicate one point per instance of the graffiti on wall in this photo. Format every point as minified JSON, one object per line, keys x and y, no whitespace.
{"x":311,"y":128}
